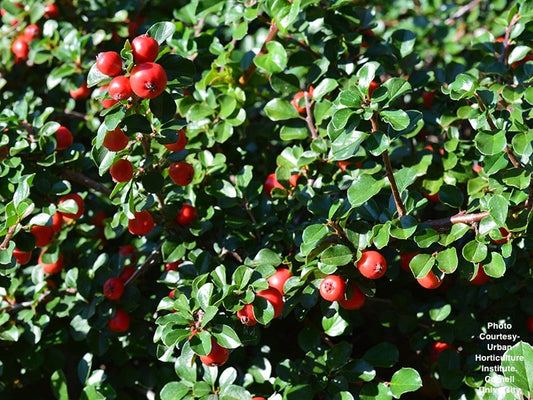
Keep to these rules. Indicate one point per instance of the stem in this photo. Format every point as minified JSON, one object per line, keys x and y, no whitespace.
{"x":247,"y":74}
{"x":469,"y":219}
{"x":309,"y":117}
{"x":400,"y":207}
{"x":513,"y":22}
{"x":463,"y":10}
{"x":152,"y":258}
{"x":86,"y":181}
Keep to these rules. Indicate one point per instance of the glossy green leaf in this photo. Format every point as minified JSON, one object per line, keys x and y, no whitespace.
{"x":405,"y":380}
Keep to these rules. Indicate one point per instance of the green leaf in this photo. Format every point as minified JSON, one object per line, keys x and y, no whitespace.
{"x":174,"y":391}
{"x":440,"y":313}
{"x":267,"y":257}
{"x":447,"y":260}
{"x":163,"y":107}
{"x":403,"y":40}
{"x":475,"y":251}
{"x":23,"y":189}
{"x":496,"y":266}
{"x":347,"y":144}
{"x":383,"y":355}
{"x":375,"y":391}
{"x":59,"y":385}
{"x":464,"y":86}
{"x":404,"y":227}
{"x":489,"y":143}
{"x":336,"y":255}
{"x":498,"y":209}
{"x":366,"y":75}
{"x":325,"y":87}
{"x":275,"y":60}
{"x":278,"y":110}
{"x":451,"y":196}
{"x":405,"y":380}
{"x":521,"y":371}
{"x":421,"y":264}
{"x":332,"y":322}
{"x":161,"y":31}
{"x":397,"y":119}
{"x":205,"y":292}
{"x":396,"y":87}
{"x":226,"y":337}
{"x":363,"y":188}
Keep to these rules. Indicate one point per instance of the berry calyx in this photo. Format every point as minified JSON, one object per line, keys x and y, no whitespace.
{"x":121,"y":171}
{"x":186,"y":215}
{"x":217,"y":356}
{"x":372,"y":264}
{"x":246,"y":315}
{"x":430,"y":281}
{"x":355,"y":301}
{"x":144,"y":49}
{"x":148,"y":80}
{"x":181,"y":172}
{"x":120,"y":322}
{"x":115,"y":140}
{"x":141,"y":224}
{"x":278,"y":279}
{"x":332,"y":288}
{"x":64,"y":138}
{"x":113,"y":288}
{"x":109,"y":63}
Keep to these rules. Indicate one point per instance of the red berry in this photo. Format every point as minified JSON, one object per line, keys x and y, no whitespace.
{"x":22,"y":257}
{"x":186,"y":215}
{"x":20,"y":49}
{"x":372,"y":264}
{"x":57,"y":222}
{"x":51,"y":266}
{"x":437,"y":348}
{"x":481,"y":277}
{"x":121,"y":171}
{"x":179,"y":144}
{"x":427,"y":98}
{"x":217,"y":356}
{"x":172,"y":266}
{"x":434,"y":198}
{"x":32,"y":32}
{"x":505,"y":233}
{"x":43,"y":235}
{"x":51,"y":11}
{"x":128,"y":250}
{"x":373,"y":86}
{"x":141,"y":224}
{"x":181,"y":172}
{"x":148,"y":80}
{"x":271,"y":182}
{"x":356,"y":301}
{"x":144,"y":49}
{"x":79,"y":202}
{"x":113,"y":288}
{"x":115,"y":140}
{"x":430,"y":281}
{"x":332,"y":288}
{"x":246,"y":315}
{"x":83,"y":92}
{"x":405,"y":259}
{"x":126,"y":273}
{"x":274,"y":297}
{"x":278,"y":279}
{"x":119,"y":88}
{"x":109,"y":63}
{"x":298,"y":101}
{"x":64,"y":138}
{"x":120,"y":322}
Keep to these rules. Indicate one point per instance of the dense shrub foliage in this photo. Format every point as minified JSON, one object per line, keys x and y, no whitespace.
{"x":266,"y":199}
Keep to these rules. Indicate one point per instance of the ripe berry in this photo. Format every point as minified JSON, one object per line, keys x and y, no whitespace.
{"x":115,"y":140}
{"x":246,"y":315}
{"x":437,"y":348}
{"x":148,"y":80}
{"x":126,"y":273}
{"x":83,"y":92}
{"x":481,"y":277}
{"x":22,"y":257}
{"x":51,"y":11}
{"x":121,"y":171}
{"x":373,"y":86}
{"x":141,"y":224}
{"x":372,"y":264}
{"x":120,"y":322}
{"x":43,"y":235}
{"x":186,"y":215}
{"x":278,"y":279}
{"x":172,"y":266}
{"x":51,"y":266}
{"x":113,"y":288}
{"x":20,"y":49}
{"x":128,"y":251}
{"x":405,"y":259}
{"x":505,"y":236}
{"x":57,"y":222}
{"x":64,"y":138}
{"x":217,"y":356}
{"x":298,"y":101}
{"x":332,"y":288}
{"x":427,"y":98}
{"x":79,"y":202}
{"x":181,"y":172}
{"x":109,"y":63}
{"x":271,"y":182}
{"x":119,"y":88}
{"x":31,"y":32}
{"x":274,"y":297}
{"x":144,"y":49}
{"x":179,"y":144}
{"x":356,"y":301}
{"x":430,"y":281}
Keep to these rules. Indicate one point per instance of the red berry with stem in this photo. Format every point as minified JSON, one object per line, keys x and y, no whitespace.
{"x":119,"y":88}
{"x":115,"y":140}
{"x":113,"y":288}
{"x":121,"y":171}
{"x":181,"y":172}
{"x":186,"y":215}
{"x":120,"y":322}
{"x":64,"y":138}
{"x":109,"y":63}
{"x":372,"y":264}
{"x":141,"y":224}
{"x":144,"y":49}
{"x":148,"y":80}
{"x":332,"y":288}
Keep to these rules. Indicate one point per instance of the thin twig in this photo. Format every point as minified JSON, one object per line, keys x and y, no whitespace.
{"x":152,"y":258}
{"x":85,"y":180}
{"x":309,"y":116}
{"x":463,"y":218}
{"x":462,"y":11}
{"x":247,"y":74}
